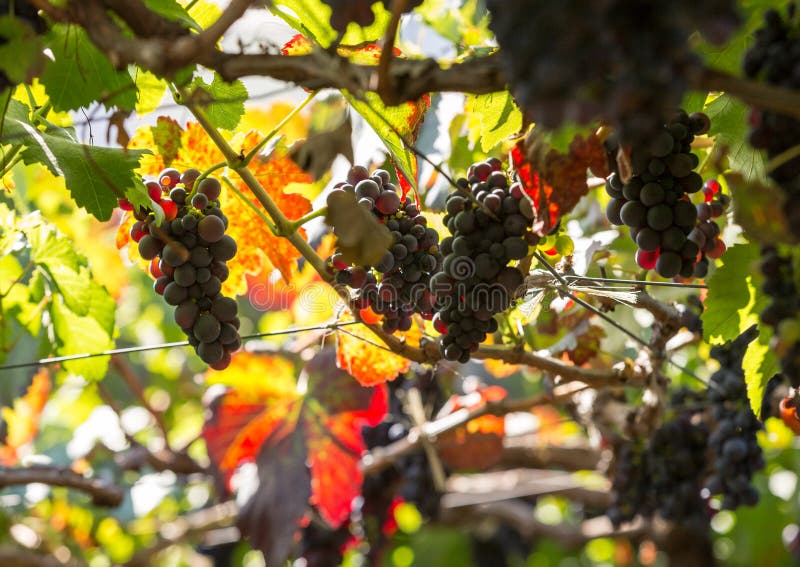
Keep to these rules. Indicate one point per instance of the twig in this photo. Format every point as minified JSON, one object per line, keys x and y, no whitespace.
{"x":520,"y":516}
{"x":385,"y":81}
{"x":128,"y":375}
{"x":382,"y":457}
{"x":17,"y":557}
{"x":186,"y":527}
{"x":103,"y":493}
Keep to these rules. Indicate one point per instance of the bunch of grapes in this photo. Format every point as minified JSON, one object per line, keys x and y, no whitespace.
{"x":321,"y":546}
{"x":397,"y":287}
{"x":655,"y":204}
{"x":188,"y":254}
{"x":774,"y":58}
{"x":708,"y":443}
{"x":489,"y":219}
{"x":630,"y":487}
{"x":737,"y":455}
{"x":359,"y":11}
{"x":783,"y":312}
{"x":676,"y":466}
{"x":550,"y":55}
{"x":706,"y":234}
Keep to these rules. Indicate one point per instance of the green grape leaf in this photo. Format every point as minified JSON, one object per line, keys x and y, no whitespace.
{"x":49,"y":247}
{"x":312,"y":19}
{"x":95,"y":176}
{"x":729,"y":127}
{"x":734,"y":295}
{"x":204,"y":12}
{"x":387,"y":121}
{"x":759,"y":364}
{"x":150,"y":89}
{"x":172,"y":10}
{"x":77,"y":334}
{"x":81,"y":74}
{"x":20,"y":49}
{"x":223,"y":102}
{"x":499,"y":117}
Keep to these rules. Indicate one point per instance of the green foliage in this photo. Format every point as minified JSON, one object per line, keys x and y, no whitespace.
{"x":20,"y":49}
{"x":95,"y":176}
{"x":729,"y":125}
{"x":733,"y":304}
{"x":499,"y":117}
{"x":81,"y":74}
{"x":734,"y":297}
{"x":81,"y":311}
{"x":223,"y":102}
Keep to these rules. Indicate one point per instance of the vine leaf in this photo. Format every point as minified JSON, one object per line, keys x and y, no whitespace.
{"x":223,"y":102}
{"x":553,"y":180}
{"x":760,"y":363}
{"x":270,"y":519}
{"x":95,"y":176}
{"x":312,"y":18}
{"x":81,"y":74}
{"x":282,"y":425}
{"x":20,"y":50}
{"x":397,"y":126}
{"x":22,"y":420}
{"x":759,"y":210}
{"x":360,"y":237}
{"x":734,"y":298}
{"x":498,"y":117}
{"x":167,"y":137}
{"x":368,"y":363}
{"x":729,"y":128}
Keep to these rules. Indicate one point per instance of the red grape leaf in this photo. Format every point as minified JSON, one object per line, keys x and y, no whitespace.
{"x":556,"y":181}
{"x":276,"y":510}
{"x":167,"y":137}
{"x":316,"y":421}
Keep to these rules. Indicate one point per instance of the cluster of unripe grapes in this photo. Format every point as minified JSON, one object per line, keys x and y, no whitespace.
{"x":188,"y":252}
{"x":397,"y":286}
{"x":673,"y":235}
{"x":783,"y":311}
{"x":489,"y":219}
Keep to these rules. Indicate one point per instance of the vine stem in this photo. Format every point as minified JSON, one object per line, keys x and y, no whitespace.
{"x":283,"y":226}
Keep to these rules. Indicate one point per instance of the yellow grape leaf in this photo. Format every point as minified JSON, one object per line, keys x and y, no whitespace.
{"x":265,"y":119}
{"x":246,"y":374}
{"x":360,"y":353}
{"x":22,"y":421}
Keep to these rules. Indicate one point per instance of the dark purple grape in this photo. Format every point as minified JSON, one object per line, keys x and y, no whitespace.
{"x":149,"y":247}
{"x":224,"y":249}
{"x":207,"y":328}
{"x":225,"y":309}
{"x":211,"y":228}
{"x":210,"y":187}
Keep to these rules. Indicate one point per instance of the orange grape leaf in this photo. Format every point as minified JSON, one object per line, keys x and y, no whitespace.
{"x":360,"y":353}
{"x":275,"y":174}
{"x":22,"y":421}
{"x":478,"y":444}
{"x":316,"y":421}
{"x":499,"y":368}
